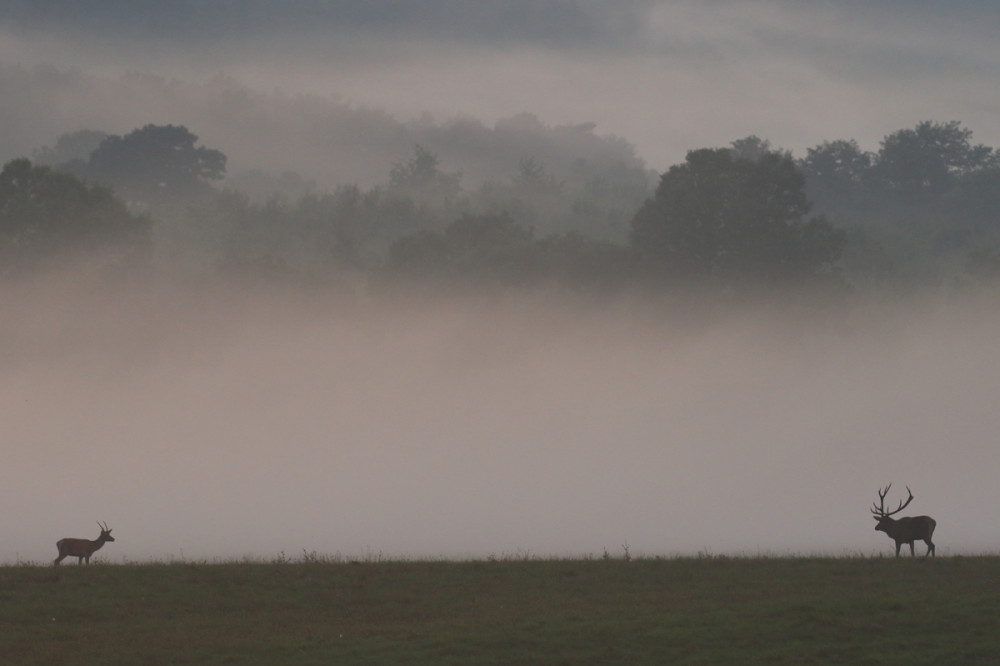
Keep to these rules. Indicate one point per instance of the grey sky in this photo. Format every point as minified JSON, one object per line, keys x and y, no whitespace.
{"x":667,"y":76}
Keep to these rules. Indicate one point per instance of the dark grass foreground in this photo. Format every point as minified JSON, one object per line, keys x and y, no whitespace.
{"x":644,"y":611}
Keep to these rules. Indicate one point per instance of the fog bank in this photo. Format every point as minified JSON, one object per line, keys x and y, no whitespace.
{"x":221,"y":421}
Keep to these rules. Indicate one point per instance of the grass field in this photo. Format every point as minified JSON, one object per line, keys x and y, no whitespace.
{"x":709,"y":610}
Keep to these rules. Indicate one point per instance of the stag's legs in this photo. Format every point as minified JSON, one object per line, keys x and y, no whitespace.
{"x":930,"y":548}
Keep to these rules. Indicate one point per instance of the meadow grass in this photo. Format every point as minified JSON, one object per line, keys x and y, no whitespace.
{"x":707,"y":610}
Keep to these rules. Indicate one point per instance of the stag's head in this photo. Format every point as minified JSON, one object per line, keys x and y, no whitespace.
{"x":105,"y":533}
{"x":884,"y":518}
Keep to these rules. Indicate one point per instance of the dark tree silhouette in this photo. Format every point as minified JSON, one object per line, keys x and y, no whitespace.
{"x":421,"y":178}
{"x":922,"y":163}
{"x":44,"y":212}
{"x":477,"y":248}
{"x":156,"y":163}
{"x":732,"y":219}
{"x":837,"y":175}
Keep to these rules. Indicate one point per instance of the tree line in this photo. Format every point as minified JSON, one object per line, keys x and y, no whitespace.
{"x":920,"y":210}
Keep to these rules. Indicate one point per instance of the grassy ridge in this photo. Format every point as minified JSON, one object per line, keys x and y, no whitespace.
{"x":655,"y":611}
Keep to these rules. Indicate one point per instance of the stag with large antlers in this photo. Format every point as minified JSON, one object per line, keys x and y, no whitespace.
{"x":903,"y":530}
{"x":82,"y":549}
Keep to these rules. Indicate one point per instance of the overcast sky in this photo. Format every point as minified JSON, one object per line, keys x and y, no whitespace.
{"x":666,"y":75}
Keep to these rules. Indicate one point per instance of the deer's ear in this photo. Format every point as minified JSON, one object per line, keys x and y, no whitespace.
{"x":875,"y":517}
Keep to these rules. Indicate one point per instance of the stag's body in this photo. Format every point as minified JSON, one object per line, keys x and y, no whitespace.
{"x":82,"y":549}
{"x":909,"y":530}
{"x":904,"y":530}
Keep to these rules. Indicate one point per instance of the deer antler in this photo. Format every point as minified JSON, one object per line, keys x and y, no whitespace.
{"x":879,"y":509}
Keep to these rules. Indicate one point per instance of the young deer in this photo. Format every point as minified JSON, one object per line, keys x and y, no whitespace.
{"x":82,"y":549}
{"x":903,"y":530}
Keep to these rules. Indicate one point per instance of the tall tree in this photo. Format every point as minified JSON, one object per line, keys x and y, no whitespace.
{"x":72,"y":149}
{"x":156,"y":163}
{"x":754,"y":148}
{"x":922,"y":163}
{"x":44,"y":212}
{"x":730,"y":219}
{"x":836,"y":174}
{"x":422,"y":179}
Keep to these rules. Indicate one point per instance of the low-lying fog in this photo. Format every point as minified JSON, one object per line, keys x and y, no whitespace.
{"x":226,"y":421}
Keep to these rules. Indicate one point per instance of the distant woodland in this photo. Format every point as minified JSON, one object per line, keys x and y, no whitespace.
{"x":569,"y":207}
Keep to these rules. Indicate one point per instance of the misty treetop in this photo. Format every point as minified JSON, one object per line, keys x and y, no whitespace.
{"x":923,"y":208}
{"x":151,"y":165}
{"x":422,"y":178}
{"x":71,"y":150}
{"x":916,"y":165}
{"x":325,"y":138}
{"x":724,"y":217}
{"x":156,"y":163}
{"x":45,"y":213}
{"x":917,"y":210}
{"x":925,"y":161}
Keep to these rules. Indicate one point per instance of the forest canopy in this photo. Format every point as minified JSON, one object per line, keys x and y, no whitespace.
{"x":920,"y":210}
